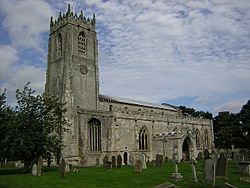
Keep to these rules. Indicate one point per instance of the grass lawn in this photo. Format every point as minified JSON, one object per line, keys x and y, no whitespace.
{"x":120,"y":178}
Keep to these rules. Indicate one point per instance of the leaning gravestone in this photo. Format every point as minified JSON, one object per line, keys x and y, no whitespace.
{"x":39,"y":166}
{"x":119,"y":161}
{"x":159,"y":160}
{"x":206,"y":154}
{"x":221,"y":166}
{"x":138,"y":166}
{"x":113,"y":161}
{"x":209,"y":171}
{"x":34,"y":170}
{"x":62,"y":168}
{"x":194,"y":174}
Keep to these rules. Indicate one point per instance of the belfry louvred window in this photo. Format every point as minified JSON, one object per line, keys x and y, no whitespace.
{"x":82,"y":44}
{"x":59,"y":45}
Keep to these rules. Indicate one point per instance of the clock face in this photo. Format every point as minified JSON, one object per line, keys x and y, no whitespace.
{"x":83,"y":69}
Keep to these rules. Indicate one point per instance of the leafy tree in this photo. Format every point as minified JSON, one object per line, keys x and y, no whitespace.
{"x":38,"y":128}
{"x":244,"y":116}
{"x":227,"y":130}
{"x":193,"y":113}
{"x":6,"y":119}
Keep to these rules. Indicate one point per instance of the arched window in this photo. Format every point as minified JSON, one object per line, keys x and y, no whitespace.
{"x":110,"y":108}
{"x":94,"y":135}
{"x":206,"y":139}
{"x":59,"y":45}
{"x":143,"y":139}
{"x":82,"y":44}
{"x":198,"y":139}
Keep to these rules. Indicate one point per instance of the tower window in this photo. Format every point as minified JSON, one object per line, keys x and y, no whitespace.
{"x":110,"y":108}
{"x":94,"y":135}
{"x":82,"y":44}
{"x":59,"y":45}
{"x":206,"y":139}
{"x":143,"y":139}
{"x":198,"y":139}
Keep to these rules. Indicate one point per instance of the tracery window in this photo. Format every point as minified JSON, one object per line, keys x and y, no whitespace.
{"x":82,"y":44}
{"x":206,"y":139}
{"x":198,"y":139}
{"x":95,"y":135}
{"x":143,"y":139}
{"x":59,"y":45}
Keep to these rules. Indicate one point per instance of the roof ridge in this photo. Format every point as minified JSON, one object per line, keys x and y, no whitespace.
{"x":136,"y":102}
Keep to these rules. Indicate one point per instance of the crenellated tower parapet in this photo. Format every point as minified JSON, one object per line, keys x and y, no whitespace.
{"x":70,"y":17}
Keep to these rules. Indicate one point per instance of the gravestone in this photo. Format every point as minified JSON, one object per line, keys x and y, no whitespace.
{"x":34,"y":170}
{"x":244,"y":167}
{"x":105,"y":161}
{"x":148,"y":163}
{"x":138,"y":166}
{"x":113,"y":161}
{"x":119,"y":161}
{"x":214,"y":155}
{"x":165,"y":185}
{"x":109,"y":162}
{"x":209,"y":170}
{"x":206,"y":154}
{"x":39,"y":166}
{"x":221,"y":166}
{"x":131,"y":160}
{"x":67,"y":169}
{"x":97,"y":162}
{"x":159,"y":160}
{"x":62,"y":168}
{"x":143,"y":160}
{"x":176,"y":175}
{"x":200,"y":156}
{"x":194,"y":175}
{"x":18,"y":164}
{"x":70,"y":167}
{"x":153,"y":163}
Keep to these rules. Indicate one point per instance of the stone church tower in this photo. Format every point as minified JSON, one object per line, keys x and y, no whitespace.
{"x":112,"y":128}
{"x":72,"y":73}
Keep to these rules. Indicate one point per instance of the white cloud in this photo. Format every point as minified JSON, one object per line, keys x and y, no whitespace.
{"x":231,"y":106}
{"x":25,"y":21}
{"x":156,"y":50}
{"x":8,"y":56}
{"x":21,"y":75}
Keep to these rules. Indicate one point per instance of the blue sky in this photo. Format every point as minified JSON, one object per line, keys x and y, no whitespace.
{"x":189,"y":52}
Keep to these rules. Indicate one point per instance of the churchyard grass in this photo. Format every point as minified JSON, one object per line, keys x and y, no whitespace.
{"x":119,"y":178}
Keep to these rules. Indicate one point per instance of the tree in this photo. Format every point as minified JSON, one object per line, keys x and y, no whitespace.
{"x":227,"y":130}
{"x":244,"y":116}
{"x":38,"y":128}
{"x":193,"y":113}
{"x":6,"y":119}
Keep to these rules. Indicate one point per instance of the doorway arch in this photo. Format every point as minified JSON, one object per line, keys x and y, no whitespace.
{"x":186,"y":149}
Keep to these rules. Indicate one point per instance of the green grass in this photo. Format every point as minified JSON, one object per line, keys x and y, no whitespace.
{"x":118,"y":178}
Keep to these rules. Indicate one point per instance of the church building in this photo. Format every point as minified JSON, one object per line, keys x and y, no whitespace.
{"x":106,"y":127}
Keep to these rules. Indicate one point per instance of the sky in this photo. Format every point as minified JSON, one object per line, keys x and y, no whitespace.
{"x":194,"y":53}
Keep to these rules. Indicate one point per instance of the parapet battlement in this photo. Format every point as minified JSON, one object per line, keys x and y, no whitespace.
{"x":70,"y":17}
